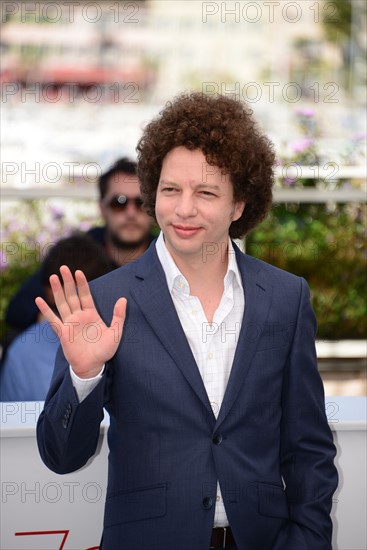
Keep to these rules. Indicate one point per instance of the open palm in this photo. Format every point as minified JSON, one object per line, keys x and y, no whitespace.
{"x":86,"y":340}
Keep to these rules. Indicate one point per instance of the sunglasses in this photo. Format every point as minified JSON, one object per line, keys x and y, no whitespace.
{"x":118,"y":203}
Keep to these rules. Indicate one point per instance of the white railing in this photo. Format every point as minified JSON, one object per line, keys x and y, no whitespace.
{"x":328,"y":175}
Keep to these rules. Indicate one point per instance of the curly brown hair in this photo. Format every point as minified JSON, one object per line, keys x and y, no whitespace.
{"x":225,"y":131}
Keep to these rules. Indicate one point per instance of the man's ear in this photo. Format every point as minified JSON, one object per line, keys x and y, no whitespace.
{"x":239,"y":207}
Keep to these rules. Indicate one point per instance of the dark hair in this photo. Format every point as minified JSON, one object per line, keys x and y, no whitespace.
{"x":79,"y":251}
{"x":123,"y":165}
{"x":224,"y":129}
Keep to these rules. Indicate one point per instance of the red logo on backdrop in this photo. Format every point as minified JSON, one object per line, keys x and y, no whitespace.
{"x":64,"y":532}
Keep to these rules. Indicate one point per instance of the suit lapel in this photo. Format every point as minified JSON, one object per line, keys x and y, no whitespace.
{"x":151,"y":294}
{"x":258,"y":295}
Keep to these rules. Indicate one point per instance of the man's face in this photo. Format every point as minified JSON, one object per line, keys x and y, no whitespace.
{"x":127,"y":224}
{"x":194,"y":204}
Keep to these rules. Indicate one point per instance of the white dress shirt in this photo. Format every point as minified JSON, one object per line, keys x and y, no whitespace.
{"x":213,"y":345}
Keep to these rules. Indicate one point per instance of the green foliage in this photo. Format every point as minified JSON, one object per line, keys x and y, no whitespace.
{"x":325,"y":245}
{"x":337,"y":22}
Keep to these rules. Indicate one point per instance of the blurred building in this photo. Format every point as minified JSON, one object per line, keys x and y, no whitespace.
{"x":70,"y":70}
{"x":165,"y":46}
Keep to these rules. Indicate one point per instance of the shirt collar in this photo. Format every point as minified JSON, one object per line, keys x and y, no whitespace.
{"x":174,"y":275}
{"x":170,"y":269}
{"x":233,"y":272}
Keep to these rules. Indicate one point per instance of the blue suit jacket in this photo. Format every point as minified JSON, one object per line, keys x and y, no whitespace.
{"x":165,"y":458}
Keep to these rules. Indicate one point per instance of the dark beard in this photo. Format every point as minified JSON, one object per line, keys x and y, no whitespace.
{"x":128,"y":245}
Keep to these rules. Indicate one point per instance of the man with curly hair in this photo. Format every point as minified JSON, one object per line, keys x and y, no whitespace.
{"x":205,"y":359}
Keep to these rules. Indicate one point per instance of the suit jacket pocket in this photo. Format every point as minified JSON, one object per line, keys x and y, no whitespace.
{"x":135,"y":505}
{"x":272,"y":501}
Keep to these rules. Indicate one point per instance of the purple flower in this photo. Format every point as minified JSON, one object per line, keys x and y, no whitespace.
{"x":3,"y":261}
{"x":306,"y":112}
{"x":57,"y":212}
{"x":43,"y":237}
{"x":289,"y":182}
{"x":302,"y":144}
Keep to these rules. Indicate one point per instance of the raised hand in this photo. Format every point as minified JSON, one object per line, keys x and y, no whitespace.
{"x":86,"y":340}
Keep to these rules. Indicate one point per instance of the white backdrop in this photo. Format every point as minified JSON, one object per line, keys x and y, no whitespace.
{"x":41,"y":510}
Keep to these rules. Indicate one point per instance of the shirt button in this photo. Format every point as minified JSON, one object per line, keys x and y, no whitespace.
{"x":215,"y":407}
{"x":210,"y":355}
{"x":217,"y":439}
{"x":218,"y":498}
{"x":207,"y":503}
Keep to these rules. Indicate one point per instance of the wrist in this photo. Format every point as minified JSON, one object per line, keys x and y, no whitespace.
{"x":90,"y":374}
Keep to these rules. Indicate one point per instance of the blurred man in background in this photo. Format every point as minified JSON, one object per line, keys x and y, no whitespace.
{"x":127,"y":231}
{"x":126,"y":234}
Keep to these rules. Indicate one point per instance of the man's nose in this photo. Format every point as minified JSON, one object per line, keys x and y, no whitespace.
{"x":186,"y":207}
{"x":132,"y":207}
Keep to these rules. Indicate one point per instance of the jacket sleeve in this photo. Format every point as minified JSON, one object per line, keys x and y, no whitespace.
{"x":307,"y":448}
{"x":68,"y":431}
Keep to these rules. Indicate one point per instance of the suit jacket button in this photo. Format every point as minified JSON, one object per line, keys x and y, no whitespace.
{"x":207,"y":503}
{"x":217,"y":439}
